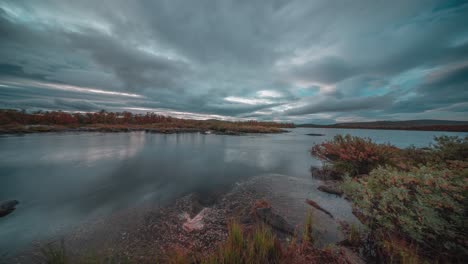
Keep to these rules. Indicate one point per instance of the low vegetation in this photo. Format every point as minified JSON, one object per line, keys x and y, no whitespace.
{"x":260,"y":245}
{"x":414,"y":201}
{"x":12,"y":121}
{"x":353,"y":155}
{"x":425,"y":206}
{"x":242,"y":246}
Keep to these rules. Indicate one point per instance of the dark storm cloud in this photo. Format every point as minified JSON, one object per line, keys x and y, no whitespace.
{"x":136,"y":68}
{"x":443,"y":88}
{"x":366,"y":59}
{"x":325,"y":70}
{"x":343,"y":105}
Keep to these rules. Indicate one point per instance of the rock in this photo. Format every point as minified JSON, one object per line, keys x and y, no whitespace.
{"x":246,"y":219}
{"x":332,"y":187}
{"x":315,"y":205}
{"x":274,"y":220}
{"x":315,"y":135}
{"x":325,"y":173}
{"x":7,"y":207}
{"x":195,"y":223}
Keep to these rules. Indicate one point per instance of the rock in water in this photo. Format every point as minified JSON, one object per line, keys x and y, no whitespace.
{"x":274,"y":220}
{"x":7,"y":207}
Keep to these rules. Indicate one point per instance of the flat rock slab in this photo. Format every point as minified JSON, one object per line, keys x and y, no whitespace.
{"x":275,"y":220}
{"x":287,"y":196}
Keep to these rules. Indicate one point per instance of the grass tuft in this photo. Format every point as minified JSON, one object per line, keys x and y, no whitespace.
{"x":52,"y":254}
{"x":307,"y":235}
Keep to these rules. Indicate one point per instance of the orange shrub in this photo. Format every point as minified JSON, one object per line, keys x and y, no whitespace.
{"x":354,"y":155}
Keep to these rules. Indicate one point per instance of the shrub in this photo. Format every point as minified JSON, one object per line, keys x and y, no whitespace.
{"x":412,"y":157}
{"x":425,"y":205}
{"x":451,"y":148}
{"x":354,"y":155}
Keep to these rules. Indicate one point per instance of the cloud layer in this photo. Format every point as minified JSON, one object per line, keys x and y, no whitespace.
{"x":301,"y":61}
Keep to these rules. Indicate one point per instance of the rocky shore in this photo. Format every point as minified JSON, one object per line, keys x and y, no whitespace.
{"x":198,"y":222}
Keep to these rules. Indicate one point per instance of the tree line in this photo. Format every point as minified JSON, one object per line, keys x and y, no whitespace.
{"x":8,"y":117}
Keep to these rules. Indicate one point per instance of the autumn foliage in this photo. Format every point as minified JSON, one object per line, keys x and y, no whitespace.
{"x":424,"y":207}
{"x":413,"y":200}
{"x":12,"y":120}
{"x":354,"y":155}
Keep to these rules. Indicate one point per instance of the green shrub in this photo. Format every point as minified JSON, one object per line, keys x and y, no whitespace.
{"x":451,"y":148}
{"x":425,"y":205}
{"x":354,"y":235}
{"x":412,"y":157}
{"x":354,"y":155}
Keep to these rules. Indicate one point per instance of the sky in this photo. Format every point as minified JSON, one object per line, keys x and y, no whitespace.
{"x":300,"y":61}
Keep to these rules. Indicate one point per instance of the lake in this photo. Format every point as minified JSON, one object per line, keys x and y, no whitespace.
{"x":64,"y":179}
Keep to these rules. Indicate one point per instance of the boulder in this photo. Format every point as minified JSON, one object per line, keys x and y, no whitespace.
{"x":276,"y":221}
{"x":332,"y":187}
{"x":7,"y":207}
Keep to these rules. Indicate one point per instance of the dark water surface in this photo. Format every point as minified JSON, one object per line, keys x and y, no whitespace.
{"x":64,"y":179}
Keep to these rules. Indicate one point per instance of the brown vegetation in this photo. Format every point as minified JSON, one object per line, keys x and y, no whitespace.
{"x":413,"y":201}
{"x":12,"y":121}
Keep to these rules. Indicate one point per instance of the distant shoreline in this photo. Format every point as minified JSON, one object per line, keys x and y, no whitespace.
{"x":442,"y":128}
{"x":30,"y":129}
{"x":21,"y":122}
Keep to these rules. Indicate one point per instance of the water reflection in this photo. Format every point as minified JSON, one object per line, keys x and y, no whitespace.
{"x":62,"y":180}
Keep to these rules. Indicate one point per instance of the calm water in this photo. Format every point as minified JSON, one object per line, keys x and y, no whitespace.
{"x":62,"y":180}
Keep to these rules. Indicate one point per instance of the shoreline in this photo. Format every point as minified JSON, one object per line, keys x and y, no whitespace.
{"x":32,"y":129}
{"x":145,"y":233}
{"x":416,"y":128}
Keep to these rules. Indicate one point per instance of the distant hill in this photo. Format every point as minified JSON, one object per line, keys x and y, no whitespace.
{"x":424,"y":125}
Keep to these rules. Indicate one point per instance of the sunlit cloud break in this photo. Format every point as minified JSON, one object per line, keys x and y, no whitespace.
{"x":179,"y":114}
{"x":71,"y":88}
{"x":269,"y":94}
{"x":248,"y":101}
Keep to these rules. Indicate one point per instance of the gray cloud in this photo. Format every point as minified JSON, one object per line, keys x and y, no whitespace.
{"x":445,"y":88}
{"x":136,"y":68}
{"x":368,"y":59}
{"x":343,"y":105}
